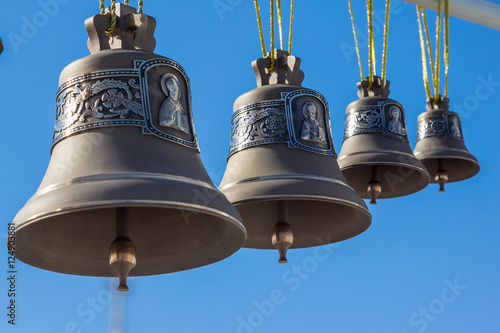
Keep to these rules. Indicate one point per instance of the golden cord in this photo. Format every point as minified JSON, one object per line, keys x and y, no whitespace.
{"x":261,"y":34}
{"x":280,"y":23}
{"x":424,"y":60}
{"x":371,"y":43}
{"x":446,"y":44}
{"x":386,"y":33}
{"x":127,"y":2}
{"x":356,"y":41}
{"x":428,"y":43}
{"x":102,"y":7}
{"x":438,"y":53}
{"x":291,"y":28}
{"x":141,"y":6}
{"x":113,"y":18}
{"x":272,"y":35}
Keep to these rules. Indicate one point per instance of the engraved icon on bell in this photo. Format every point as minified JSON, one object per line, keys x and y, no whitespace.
{"x":127,"y":207}
{"x":440,"y":144}
{"x":376,"y":158}
{"x":282,"y":174}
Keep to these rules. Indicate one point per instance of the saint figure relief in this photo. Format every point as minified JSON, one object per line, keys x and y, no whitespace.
{"x":455,"y":128}
{"x":395,"y":125}
{"x":171,"y":111}
{"x":311,"y":127}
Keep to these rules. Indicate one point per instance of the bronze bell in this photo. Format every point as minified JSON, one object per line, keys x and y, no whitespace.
{"x":440,"y":144}
{"x":282,"y":172}
{"x":125,"y":189}
{"x":376,"y":158}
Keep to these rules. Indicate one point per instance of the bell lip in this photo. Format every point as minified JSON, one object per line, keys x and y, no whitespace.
{"x":306,"y":197}
{"x":422,"y":170}
{"x":360,"y":209}
{"x":344,"y":156}
{"x":130,"y":203}
{"x":294,"y":176}
{"x":121,"y":176}
{"x":471,"y":160}
{"x":469,"y":156}
{"x":416,"y":167}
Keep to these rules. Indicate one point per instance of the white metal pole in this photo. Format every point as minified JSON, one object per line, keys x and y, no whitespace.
{"x":483,"y":12}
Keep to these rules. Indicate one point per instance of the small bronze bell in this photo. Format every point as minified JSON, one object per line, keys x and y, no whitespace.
{"x":440,"y":145}
{"x":376,"y":158}
{"x":282,"y":172}
{"x":125,"y":190}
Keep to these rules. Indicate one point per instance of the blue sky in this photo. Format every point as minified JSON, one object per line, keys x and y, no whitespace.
{"x":429,"y":262}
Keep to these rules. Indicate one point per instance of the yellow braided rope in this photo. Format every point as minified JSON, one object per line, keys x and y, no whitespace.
{"x":438,"y":53}
{"x":102,"y":7}
{"x":113,"y":18}
{"x":371,"y":43}
{"x":428,"y":43}
{"x":127,"y":2}
{"x":446,"y":44}
{"x":291,"y":28}
{"x":261,"y":34}
{"x":386,"y":33}
{"x":424,"y":60}
{"x":141,"y":6}
{"x":356,"y":41}
{"x":280,"y":23}
{"x":272,"y":35}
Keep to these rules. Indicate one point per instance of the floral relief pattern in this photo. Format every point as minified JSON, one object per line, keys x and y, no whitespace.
{"x":101,"y":99}
{"x":257,"y":126}
{"x":361,"y":122}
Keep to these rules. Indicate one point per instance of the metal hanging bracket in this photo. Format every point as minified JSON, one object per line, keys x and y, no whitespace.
{"x":379,"y":88}
{"x":286,"y":69}
{"x":443,"y":103}
{"x":133,"y":31}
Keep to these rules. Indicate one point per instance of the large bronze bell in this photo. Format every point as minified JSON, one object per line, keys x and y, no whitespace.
{"x":376,"y":158}
{"x":282,"y":172}
{"x":440,"y":144}
{"x":125,"y":185}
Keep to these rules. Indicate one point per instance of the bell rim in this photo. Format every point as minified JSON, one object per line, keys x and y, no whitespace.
{"x":128,"y":203}
{"x":121,"y":176}
{"x":469,"y":156}
{"x":360,"y":210}
{"x":412,"y":166}
{"x":422,"y":170}
{"x":273,"y":197}
{"x":226,"y":218}
{"x":344,"y":156}
{"x":284,"y":177}
{"x":472,"y":160}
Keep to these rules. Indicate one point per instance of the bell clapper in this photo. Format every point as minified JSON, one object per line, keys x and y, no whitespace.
{"x":374,"y":186}
{"x":122,"y":250}
{"x":282,"y":237}
{"x":441,"y":176}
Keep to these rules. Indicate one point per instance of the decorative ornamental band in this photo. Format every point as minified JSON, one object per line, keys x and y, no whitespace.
{"x":154,"y":96}
{"x":443,"y":124}
{"x":387,"y":117}
{"x":300,"y":119}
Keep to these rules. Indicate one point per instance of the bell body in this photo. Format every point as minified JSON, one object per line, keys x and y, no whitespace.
{"x":282,"y":165}
{"x":125,"y":157}
{"x":376,"y":158}
{"x":440,"y":143}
